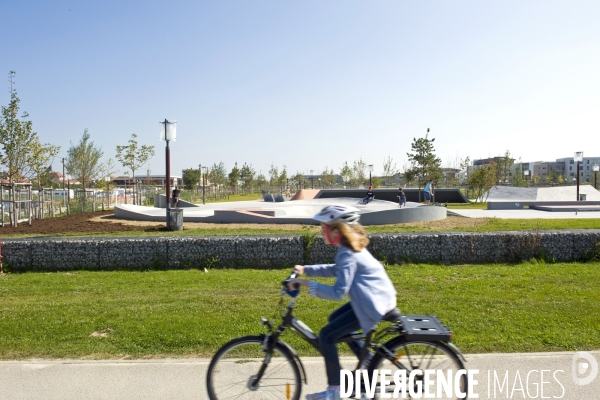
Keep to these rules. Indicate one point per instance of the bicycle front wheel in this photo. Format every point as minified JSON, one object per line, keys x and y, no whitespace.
{"x":233,"y":372}
{"x":420,"y":355}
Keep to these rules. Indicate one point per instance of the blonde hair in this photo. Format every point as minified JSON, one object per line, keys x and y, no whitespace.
{"x":353,"y":236}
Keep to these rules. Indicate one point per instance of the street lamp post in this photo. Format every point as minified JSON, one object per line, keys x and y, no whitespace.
{"x":108,"y":190}
{"x":595,"y":168}
{"x":168,"y":132}
{"x":63,"y":179}
{"x":199,"y":180}
{"x":526,"y":173}
{"x":312,"y":179}
{"x":370,"y":170}
{"x":204,"y":184}
{"x":578,"y":158}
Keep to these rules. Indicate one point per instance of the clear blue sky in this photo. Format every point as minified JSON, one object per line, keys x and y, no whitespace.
{"x":309,"y":84}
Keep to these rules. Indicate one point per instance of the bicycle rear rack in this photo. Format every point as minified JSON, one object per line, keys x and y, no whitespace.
{"x":424,"y":327}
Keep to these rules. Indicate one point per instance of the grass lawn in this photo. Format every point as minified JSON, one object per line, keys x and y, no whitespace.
{"x":467,"y":206}
{"x":107,"y":315}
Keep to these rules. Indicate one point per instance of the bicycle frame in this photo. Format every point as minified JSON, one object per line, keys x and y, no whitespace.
{"x":306,"y":333}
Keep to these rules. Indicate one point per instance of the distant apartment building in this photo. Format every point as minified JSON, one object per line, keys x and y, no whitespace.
{"x":452,"y":174}
{"x":478,"y":164}
{"x":586,"y":167}
{"x":546,"y":170}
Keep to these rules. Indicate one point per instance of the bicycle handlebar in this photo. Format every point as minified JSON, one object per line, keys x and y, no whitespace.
{"x":284,"y":283}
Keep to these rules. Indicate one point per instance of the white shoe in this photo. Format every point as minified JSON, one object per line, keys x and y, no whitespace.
{"x":364,"y":365}
{"x":329,"y":394}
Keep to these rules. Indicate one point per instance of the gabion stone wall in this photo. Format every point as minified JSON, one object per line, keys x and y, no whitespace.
{"x":286,"y":251}
{"x":490,"y":247}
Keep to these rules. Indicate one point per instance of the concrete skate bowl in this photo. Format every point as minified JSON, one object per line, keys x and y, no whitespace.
{"x":440,"y":195}
{"x":378,"y":212}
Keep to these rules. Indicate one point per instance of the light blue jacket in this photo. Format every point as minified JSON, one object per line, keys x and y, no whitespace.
{"x":360,"y":276}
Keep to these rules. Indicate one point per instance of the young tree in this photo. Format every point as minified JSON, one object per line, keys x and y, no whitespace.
{"x":346,"y":173}
{"x":328,"y":177}
{"x":481,"y":181}
{"x":106,"y":170}
{"x":505,"y":167}
{"x":40,"y":157}
{"x":273,"y":175}
{"x":282,"y":179}
{"x":359,"y":170}
{"x":218,"y":173}
{"x":133,"y":157}
{"x":234,"y":177}
{"x":409,"y":174}
{"x":191,"y":178}
{"x":261,"y":180}
{"x":16,"y":138}
{"x":247,"y":174}
{"x":83,"y":159}
{"x":389,"y":170}
{"x":298,"y":179}
{"x":376,"y":181}
{"x":425,"y":164}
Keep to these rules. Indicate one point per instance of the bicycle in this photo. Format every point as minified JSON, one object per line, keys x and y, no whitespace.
{"x":265,"y":367}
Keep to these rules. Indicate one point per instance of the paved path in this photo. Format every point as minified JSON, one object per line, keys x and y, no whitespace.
{"x":185,"y":379}
{"x":523,"y":214}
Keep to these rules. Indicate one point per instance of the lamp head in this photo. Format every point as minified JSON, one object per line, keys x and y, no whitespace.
{"x":168,"y":130}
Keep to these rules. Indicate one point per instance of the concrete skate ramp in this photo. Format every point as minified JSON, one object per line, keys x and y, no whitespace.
{"x":307,"y":194}
{"x":567,"y":193}
{"x":509,"y":193}
{"x":160,"y":201}
{"x":557,"y":193}
{"x":378,"y":212}
{"x":440,"y":195}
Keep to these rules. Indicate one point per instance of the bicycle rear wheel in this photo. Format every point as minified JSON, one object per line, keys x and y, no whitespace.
{"x":420,"y":355}
{"x":233,"y":369}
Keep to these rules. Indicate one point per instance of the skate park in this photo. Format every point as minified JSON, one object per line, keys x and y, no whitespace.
{"x":502,"y":202}
{"x":275,"y":209}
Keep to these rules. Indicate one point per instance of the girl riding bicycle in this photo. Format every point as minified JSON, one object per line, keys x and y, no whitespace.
{"x":359,"y":275}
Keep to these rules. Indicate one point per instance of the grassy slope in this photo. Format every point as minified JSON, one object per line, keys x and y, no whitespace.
{"x":491,"y":308}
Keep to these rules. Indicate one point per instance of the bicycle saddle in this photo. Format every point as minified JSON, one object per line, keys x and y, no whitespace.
{"x":392,"y":316}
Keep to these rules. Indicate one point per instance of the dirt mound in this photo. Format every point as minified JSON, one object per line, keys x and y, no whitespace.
{"x":77,"y":223}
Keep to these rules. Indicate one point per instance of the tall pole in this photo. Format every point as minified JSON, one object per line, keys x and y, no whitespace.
{"x":577,"y":181}
{"x":64,"y":193}
{"x":168,"y":175}
{"x":203,"y":187}
{"x":68,"y":196}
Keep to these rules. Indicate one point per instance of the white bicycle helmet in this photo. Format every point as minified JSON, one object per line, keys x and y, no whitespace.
{"x":337,"y":213}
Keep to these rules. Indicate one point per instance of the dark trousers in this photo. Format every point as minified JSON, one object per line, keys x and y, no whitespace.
{"x":342,"y":322}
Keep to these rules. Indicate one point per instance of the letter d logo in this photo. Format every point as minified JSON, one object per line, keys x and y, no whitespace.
{"x":579,"y":368}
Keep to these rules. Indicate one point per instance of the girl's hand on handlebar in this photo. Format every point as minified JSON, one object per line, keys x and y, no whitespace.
{"x":299,"y":269}
{"x":293,"y":282}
